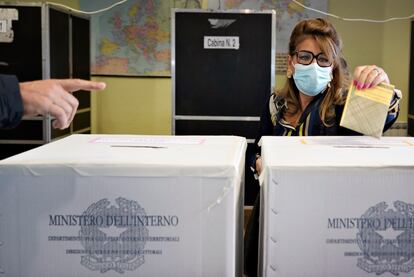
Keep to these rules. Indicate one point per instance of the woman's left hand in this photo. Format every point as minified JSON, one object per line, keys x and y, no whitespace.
{"x":368,"y":76}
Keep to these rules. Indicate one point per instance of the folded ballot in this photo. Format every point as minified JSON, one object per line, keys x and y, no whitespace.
{"x":366,"y":110}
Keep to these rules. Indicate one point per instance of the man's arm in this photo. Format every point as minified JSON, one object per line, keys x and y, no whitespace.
{"x":11,"y":105}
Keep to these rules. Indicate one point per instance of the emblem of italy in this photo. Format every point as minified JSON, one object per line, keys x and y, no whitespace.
{"x":387,"y":245}
{"x":106,"y":251}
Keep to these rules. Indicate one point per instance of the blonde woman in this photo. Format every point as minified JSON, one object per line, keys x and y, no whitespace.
{"x":312,"y":100}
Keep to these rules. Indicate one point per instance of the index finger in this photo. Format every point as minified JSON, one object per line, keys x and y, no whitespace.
{"x":357,"y":72}
{"x":361,"y":75}
{"x":72,"y":85}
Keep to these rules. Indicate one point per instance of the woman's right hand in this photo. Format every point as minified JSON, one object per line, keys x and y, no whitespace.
{"x":368,"y":76}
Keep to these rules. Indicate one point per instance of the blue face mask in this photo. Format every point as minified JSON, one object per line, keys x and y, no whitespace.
{"x":312,"y":79}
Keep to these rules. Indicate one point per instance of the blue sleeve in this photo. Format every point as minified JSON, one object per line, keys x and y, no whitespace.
{"x":393,"y":110}
{"x":11,"y":104}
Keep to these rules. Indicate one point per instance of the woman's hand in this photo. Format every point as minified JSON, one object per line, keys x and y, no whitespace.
{"x":368,"y":76}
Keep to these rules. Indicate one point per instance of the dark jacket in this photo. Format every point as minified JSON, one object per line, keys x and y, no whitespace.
{"x":11,"y":105}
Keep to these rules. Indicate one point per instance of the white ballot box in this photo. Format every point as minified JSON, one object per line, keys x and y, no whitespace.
{"x":96,"y":205}
{"x":337,"y":206}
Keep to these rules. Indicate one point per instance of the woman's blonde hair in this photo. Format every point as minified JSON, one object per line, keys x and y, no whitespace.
{"x":330,"y":43}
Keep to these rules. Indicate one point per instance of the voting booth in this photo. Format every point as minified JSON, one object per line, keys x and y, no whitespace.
{"x":223,"y":70}
{"x":42,"y":41}
{"x":93,"y":205}
{"x":337,"y":206}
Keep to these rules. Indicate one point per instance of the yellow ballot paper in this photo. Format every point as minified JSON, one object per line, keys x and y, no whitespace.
{"x":366,"y":110}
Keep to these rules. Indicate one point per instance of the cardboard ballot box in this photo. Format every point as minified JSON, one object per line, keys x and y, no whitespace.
{"x":88,"y":205}
{"x":337,"y":206}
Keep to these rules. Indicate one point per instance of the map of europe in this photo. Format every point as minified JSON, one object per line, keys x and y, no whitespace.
{"x":133,"y":39}
{"x":288,"y":13}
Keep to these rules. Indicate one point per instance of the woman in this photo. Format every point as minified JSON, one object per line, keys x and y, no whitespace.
{"x":312,"y":100}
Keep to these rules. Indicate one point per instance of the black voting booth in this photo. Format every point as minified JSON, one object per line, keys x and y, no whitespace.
{"x":223,"y":70}
{"x":47,"y":42}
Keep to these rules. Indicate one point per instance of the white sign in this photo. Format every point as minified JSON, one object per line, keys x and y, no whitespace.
{"x":221,"y":43}
{"x":3,"y":26}
{"x":6,"y":18}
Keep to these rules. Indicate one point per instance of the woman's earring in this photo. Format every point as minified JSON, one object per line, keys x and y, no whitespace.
{"x":289,"y":73}
{"x":329,"y":84}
